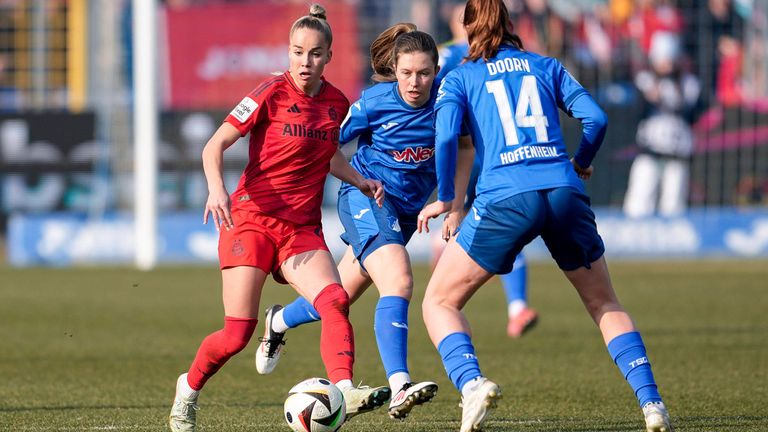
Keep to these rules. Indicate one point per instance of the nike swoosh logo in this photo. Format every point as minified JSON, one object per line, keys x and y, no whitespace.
{"x":362,"y":212}
{"x":400,"y":325}
{"x":389,"y":125}
{"x":474,"y":210}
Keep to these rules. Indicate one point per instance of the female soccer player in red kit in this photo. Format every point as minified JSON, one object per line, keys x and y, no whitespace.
{"x":271,"y":223}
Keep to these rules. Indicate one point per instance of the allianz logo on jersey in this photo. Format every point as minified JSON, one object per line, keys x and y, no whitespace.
{"x":414,"y":154}
{"x":302,"y":131}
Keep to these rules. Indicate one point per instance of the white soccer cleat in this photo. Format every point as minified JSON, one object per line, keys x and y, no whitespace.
{"x":409,"y":396}
{"x":478,"y":404}
{"x":362,"y":399}
{"x":656,"y":417}
{"x":271,"y":347}
{"x":183,"y":416}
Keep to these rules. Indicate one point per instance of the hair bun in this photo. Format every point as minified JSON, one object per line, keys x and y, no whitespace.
{"x":317,"y":11}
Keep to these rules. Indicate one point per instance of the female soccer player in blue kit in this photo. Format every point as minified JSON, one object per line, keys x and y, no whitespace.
{"x":393,"y":121}
{"x":520,"y":317}
{"x":527,"y":187}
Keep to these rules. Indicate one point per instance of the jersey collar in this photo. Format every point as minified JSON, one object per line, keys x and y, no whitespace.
{"x":404,"y":104}
{"x":289,"y":79}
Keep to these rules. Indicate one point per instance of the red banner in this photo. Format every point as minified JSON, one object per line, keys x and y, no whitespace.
{"x":217,"y":53}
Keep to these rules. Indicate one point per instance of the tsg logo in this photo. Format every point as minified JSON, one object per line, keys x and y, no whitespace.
{"x":411,"y":154}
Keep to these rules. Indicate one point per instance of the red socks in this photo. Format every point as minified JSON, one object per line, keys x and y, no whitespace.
{"x":218,"y":347}
{"x":337,"y":341}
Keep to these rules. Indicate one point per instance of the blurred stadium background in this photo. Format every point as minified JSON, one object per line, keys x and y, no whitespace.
{"x":66,"y":100}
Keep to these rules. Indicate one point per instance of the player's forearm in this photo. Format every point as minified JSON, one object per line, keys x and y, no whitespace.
{"x":594,"y":124}
{"x":342,"y":170}
{"x":213,"y":154}
{"x":447,"y":127}
{"x":466,"y":157}
{"x":213,"y":158}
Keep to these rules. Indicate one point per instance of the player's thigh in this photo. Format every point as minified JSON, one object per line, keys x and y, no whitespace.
{"x":596,"y":291}
{"x":390,"y":269}
{"x":455,"y":279}
{"x":241,"y":291}
{"x":571,"y":231}
{"x":368,"y":227}
{"x":354,"y":279}
{"x":493,"y":234}
{"x":309,"y":272}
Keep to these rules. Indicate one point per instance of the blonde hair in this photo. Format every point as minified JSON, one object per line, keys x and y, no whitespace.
{"x":401,"y":38}
{"x":316,"y":20}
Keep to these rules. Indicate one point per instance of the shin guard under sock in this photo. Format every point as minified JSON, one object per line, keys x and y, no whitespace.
{"x":628,"y":352}
{"x":459,"y":359}
{"x":337,"y":341}
{"x":218,"y":347}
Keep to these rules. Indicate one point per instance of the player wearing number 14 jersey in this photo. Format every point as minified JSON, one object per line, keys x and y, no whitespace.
{"x":527,"y":188}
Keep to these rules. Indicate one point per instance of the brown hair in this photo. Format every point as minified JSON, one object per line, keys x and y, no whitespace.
{"x":488,"y":26}
{"x":401,"y":38}
{"x":316,"y":20}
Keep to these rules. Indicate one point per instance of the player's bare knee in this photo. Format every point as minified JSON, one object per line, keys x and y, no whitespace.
{"x":401,"y":286}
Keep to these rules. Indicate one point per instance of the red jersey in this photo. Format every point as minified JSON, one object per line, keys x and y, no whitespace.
{"x":293,"y":137}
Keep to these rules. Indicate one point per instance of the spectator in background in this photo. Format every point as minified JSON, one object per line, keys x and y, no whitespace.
{"x":715,"y":37}
{"x":651,"y":16}
{"x":542,"y":30}
{"x":660,"y":172}
{"x":600,"y":44}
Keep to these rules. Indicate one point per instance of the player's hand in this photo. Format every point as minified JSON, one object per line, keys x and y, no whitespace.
{"x":451,"y":223}
{"x":583,"y":173}
{"x":372,"y":189}
{"x":218,"y":206}
{"x":431,"y":211}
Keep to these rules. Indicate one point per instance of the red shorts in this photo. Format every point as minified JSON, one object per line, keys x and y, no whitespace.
{"x":261,"y":241}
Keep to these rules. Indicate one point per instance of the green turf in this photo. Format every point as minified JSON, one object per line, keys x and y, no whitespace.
{"x":100,"y":349}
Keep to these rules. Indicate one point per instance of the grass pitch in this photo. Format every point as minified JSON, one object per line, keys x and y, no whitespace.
{"x":100,"y":349}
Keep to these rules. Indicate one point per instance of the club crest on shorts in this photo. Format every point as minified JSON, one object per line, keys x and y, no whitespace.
{"x":237,"y":248}
{"x":394,"y":224}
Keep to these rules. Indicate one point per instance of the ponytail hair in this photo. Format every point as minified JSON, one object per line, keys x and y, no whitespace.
{"x":401,"y":38}
{"x":316,"y":20}
{"x":382,"y":52}
{"x":488,"y":26}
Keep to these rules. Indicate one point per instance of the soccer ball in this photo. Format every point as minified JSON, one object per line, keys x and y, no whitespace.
{"x":315,"y":405}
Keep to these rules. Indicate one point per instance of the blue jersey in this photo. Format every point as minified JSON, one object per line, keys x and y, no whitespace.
{"x":451,"y":56}
{"x":511,"y":102}
{"x":396,"y":144}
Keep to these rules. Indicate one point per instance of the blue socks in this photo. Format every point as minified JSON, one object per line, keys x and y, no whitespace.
{"x":299,"y":312}
{"x":515,"y":282}
{"x":628,"y":352}
{"x":391,"y":326}
{"x":459,"y":359}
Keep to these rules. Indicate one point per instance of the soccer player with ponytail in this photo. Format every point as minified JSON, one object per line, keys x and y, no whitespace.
{"x":272,"y":223}
{"x":393,"y":120}
{"x":528,"y":187}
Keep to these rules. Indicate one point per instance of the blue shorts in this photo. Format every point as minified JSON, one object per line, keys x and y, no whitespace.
{"x":368,"y":227}
{"x":494,"y":233}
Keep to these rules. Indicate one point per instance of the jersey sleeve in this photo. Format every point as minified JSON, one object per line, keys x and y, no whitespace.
{"x":568,"y":88}
{"x":451,"y":90}
{"x":449,"y":115}
{"x":355,"y":123}
{"x":249,"y":112}
{"x":579,"y":104}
